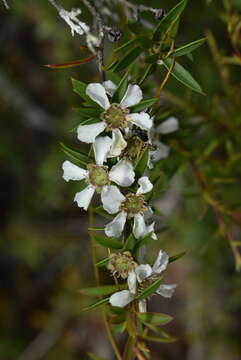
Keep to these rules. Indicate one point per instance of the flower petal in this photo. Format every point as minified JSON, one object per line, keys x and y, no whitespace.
{"x":83,"y":198}
{"x":132,"y":282}
{"x":110,"y":87}
{"x":73,"y":172}
{"x":97,"y":93}
{"x":118,"y":143}
{"x":111,"y":198}
{"x":139,"y":227}
{"x":121,"y":298}
{"x":132,"y":96}
{"x":168,"y":126}
{"x":161,"y":152}
{"x":116,"y":226}
{"x":150,"y":229}
{"x":142,"y":120}
{"x":145,"y":185}
{"x":88,"y":133}
{"x":122,"y":173}
{"x":142,"y":306}
{"x":143,"y":271}
{"x":161,"y":262}
{"x":166,"y":290}
{"x":101,"y":147}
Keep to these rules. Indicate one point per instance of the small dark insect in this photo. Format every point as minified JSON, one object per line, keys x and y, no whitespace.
{"x":142,"y":134}
{"x":114,"y":35}
{"x":160,"y":14}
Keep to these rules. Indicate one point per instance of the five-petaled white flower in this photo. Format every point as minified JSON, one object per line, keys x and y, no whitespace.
{"x":115,"y":117}
{"x":97,"y":176}
{"x":137,"y":278}
{"x":131,"y":205}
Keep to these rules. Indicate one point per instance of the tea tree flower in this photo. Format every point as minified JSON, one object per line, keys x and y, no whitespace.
{"x":130,"y":205}
{"x":121,"y":265}
{"x":97,"y":176}
{"x":116,"y":117}
{"x":141,"y":277}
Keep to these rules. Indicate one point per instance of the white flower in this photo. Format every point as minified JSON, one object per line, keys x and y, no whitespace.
{"x":97,"y":176}
{"x":138,"y":276}
{"x":162,"y":151}
{"x":131,"y":205}
{"x":115,"y":117}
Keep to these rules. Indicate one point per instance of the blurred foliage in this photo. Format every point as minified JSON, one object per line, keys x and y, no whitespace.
{"x":45,"y":251}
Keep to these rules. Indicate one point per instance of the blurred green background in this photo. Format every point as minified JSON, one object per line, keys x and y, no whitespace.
{"x":45,"y":249}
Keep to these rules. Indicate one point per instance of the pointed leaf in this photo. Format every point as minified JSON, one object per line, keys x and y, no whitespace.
{"x":76,"y":155}
{"x":128,"y":59}
{"x":182,"y":75}
{"x":149,"y":70}
{"x":130,"y":243}
{"x":121,"y":89}
{"x":154,"y":318}
{"x":108,"y":242}
{"x":145,"y":104}
{"x":94,"y":357}
{"x":100,"y":290}
{"x":102,"y":262}
{"x":96,"y":304}
{"x":149,"y":290}
{"x":71,"y":64}
{"x":100,"y":211}
{"x":159,"y":339}
{"x":88,"y":113}
{"x":188,"y":48}
{"x":177,"y":257}
{"x":126,"y":45}
{"x":171,"y":17}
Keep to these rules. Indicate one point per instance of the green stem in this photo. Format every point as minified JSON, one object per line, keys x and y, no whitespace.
{"x":97,"y":278}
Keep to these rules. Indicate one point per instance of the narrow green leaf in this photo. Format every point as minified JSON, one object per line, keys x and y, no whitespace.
{"x":149,"y":70}
{"x":188,"y":48}
{"x":96,"y":304}
{"x":121,"y":89}
{"x":76,"y":155}
{"x":94,"y":357}
{"x":159,"y":339}
{"x":177,"y":257}
{"x":154,"y":318}
{"x":88,"y":113}
{"x":128,"y":59}
{"x":126,"y":45}
{"x":150,"y":289}
{"x":99,"y":290}
{"x":142,"y":164}
{"x":112,"y":65}
{"x":172,"y":16}
{"x":182,"y":75}
{"x":102,"y":262}
{"x":145,"y":104}
{"x":96,"y":229}
{"x":108,"y":242}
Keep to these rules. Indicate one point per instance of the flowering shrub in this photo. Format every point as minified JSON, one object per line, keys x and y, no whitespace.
{"x":124,"y":127}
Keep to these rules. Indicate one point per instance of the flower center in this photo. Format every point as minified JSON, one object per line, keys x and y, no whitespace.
{"x":98,"y":175}
{"x":115,"y":117}
{"x":134,"y":204}
{"x":121,"y":264}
